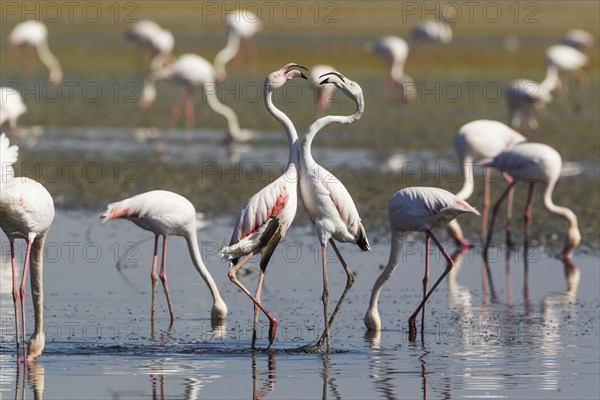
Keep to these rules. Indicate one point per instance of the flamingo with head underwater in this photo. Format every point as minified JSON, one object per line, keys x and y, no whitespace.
{"x":193,"y":71}
{"x":167,"y":214}
{"x":160,"y":42}
{"x":35,"y":34}
{"x":327,"y":201}
{"x":267,"y":215}
{"x":535,"y":163}
{"x":416,"y":209}
{"x":394,"y":50}
{"x":26,"y":212}
{"x":475,"y":142}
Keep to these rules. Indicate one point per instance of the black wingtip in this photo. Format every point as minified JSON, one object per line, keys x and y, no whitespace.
{"x":362,"y":241}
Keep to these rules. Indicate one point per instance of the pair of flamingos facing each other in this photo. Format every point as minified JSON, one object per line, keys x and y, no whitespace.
{"x":263,"y":221}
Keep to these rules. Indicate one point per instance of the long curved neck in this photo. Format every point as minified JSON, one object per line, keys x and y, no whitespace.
{"x":551,"y":81}
{"x":37,"y":282}
{"x":284,"y":120}
{"x":574,"y":236}
{"x":50,"y":62}
{"x":468,"y":183}
{"x":396,"y":245}
{"x":192,"y":242}
{"x":397,"y":69}
{"x":233,"y":124}
{"x":324,"y":121}
{"x":226,"y":54}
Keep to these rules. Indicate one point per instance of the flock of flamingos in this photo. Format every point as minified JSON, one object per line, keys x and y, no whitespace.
{"x":27,"y":209}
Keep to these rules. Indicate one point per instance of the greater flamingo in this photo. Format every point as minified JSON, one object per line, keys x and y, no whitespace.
{"x":526,"y":98}
{"x":192,"y":71}
{"x":148,"y":34}
{"x":11,"y":107}
{"x":475,"y":142}
{"x":167,"y":214}
{"x":242,"y":25}
{"x":26,"y":212}
{"x":35,"y":34}
{"x":579,"y":39}
{"x":267,"y":215}
{"x":427,"y":34}
{"x":394,"y":49}
{"x":323,"y":92}
{"x":326,"y":199}
{"x":416,"y":209}
{"x":535,"y":163}
{"x":572,"y":61}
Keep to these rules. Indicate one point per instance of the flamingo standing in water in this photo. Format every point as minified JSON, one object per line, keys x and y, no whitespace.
{"x":242,"y":25}
{"x":327,"y":201}
{"x":416,"y":209}
{"x":266,"y":217}
{"x":192,"y":71}
{"x":427,"y":34}
{"x":165,"y":214}
{"x":11,"y":107}
{"x":394,"y":49}
{"x":35,"y":34}
{"x":160,"y":42}
{"x":579,"y":39}
{"x":570,"y":60}
{"x":26,"y":212}
{"x":535,"y":163}
{"x":478,"y":141}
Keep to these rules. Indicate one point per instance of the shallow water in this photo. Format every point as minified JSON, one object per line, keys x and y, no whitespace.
{"x":484,"y":338}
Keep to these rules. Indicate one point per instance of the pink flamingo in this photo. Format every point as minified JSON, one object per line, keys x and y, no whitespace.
{"x":475,"y":142}
{"x":266,"y":217}
{"x":192,"y":71}
{"x":323,"y":92}
{"x":26,"y":212}
{"x":160,"y":42}
{"x":535,"y":163}
{"x":166,"y":214}
{"x":394,"y":49}
{"x":579,"y":39}
{"x":416,"y":209}
{"x":242,"y":25}
{"x":327,"y":201}
{"x":570,"y":60}
{"x":35,"y":34}
{"x":11,"y":107}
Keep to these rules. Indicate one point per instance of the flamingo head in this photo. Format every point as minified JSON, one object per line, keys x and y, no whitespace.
{"x":348,"y":87}
{"x":278,"y":78}
{"x":573,"y":240}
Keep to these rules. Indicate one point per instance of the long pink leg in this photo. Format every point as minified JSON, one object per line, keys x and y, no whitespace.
{"x":232,"y":276}
{"x":349,"y":282}
{"x":189,"y":107}
{"x":325,"y":297}
{"x":176,"y":109}
{"x":261,"y":277}
{"x":412,"y":325}
{"x":163,"y":279}
{"x":425,"y":281}
{"x":153,"y":278}
{"x":252,"y":55}
{"x":23,"y":280}
{"x":15,"y":293}
{"x":509,"y":207}
{"x":528,"y":213}
{"x":494,"y":213}
{"x":486,"y":201}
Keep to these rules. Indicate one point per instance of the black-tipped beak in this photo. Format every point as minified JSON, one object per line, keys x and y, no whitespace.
{"x":303,"y":76}
{"x":296,"y":66}
{"x":326,"y":80}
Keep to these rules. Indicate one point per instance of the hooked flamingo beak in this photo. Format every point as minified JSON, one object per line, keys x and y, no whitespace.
{"x":289,"y":67}
{"x":326,"y":80}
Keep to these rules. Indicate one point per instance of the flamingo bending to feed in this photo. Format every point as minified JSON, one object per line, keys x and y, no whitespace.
{"x":150,"y":35}
{"x":394,"y":49}
{"x":535,"y":163}
{"x":192,"y":71}
{"x":327,"y":201}
{"x":35,"y":34}
{"x":475,"y":142}
{"x":416,"y":209}
{"x":166,"y":214}
{"x":572,"y":61}
{"x":267,"y":215}
{"x":26,"y":212}
{"x":11,"y":107}
{"x":242,"y":25}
